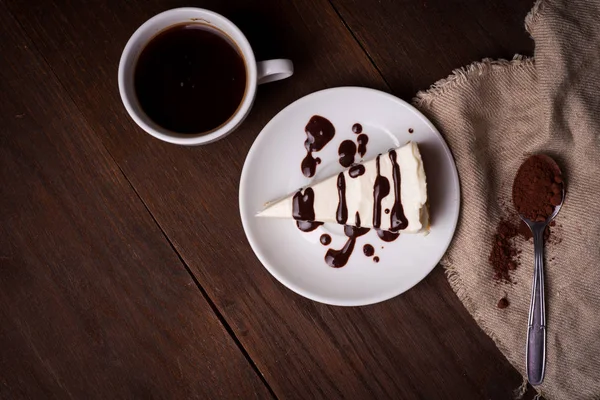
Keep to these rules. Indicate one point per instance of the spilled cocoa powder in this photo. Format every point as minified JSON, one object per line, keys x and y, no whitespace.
{"x":504,"y":257}
{"x":537,"y":190}
{"x":503,"y":303}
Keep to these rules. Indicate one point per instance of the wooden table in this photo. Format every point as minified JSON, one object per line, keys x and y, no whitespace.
{"x":124,"y":269}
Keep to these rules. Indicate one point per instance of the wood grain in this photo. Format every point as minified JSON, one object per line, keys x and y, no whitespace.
{"x":421,"y":345}
{"x":94,"y":303}
{"x":415,"y":43}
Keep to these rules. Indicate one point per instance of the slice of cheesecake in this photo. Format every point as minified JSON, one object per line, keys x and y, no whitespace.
{"x":388,"y":193}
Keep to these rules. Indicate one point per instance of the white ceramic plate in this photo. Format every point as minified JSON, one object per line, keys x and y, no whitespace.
{"x":272,"y":170}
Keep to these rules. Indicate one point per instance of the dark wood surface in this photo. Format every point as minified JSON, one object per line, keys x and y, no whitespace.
{"x":125,"y":271}
{"x":94,"y":301}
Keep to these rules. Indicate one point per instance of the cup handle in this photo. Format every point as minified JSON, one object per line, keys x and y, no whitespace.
{"x":274,"y":70}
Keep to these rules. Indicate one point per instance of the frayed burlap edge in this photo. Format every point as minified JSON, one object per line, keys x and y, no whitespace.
{"x":534,"y":15}
{"x":459,"y":78}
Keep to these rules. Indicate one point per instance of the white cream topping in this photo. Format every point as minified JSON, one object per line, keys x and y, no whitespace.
{"x":359,"y":193}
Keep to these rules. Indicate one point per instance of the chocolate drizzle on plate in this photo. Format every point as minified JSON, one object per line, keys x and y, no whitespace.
{"x":387,"y":236}
{"x":325,"y":239}
{"x":368,"y":250}
{"x":339,"y":258}
{"x":309,"y":165}
{"x":319,"y":132}
{"x":303,"y":205}
{"x":342,"y":208}
{"x":362,"y":141}
{"x":354,"y":231}
{"x":308,"y":226}
{"x":357,"y":128}
{"x":410,"y":130}
{"x":356,"y":170}
{"x":398,"y":220}
{"x":381,"y":188}
{"x":347,"y":151}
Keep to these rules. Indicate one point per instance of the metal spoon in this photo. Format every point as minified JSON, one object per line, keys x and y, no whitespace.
{"x":536,"y":333}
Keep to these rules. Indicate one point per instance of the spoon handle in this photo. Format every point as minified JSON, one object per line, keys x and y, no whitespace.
{"x":536,"y":334}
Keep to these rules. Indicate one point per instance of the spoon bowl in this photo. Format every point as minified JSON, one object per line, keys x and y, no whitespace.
{"x":557,"y":208}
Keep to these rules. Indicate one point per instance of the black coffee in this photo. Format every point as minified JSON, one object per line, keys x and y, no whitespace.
{"x":190,"y":79}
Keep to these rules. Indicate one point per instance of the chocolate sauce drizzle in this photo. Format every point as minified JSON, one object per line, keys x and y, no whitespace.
{"x":342,"y":209}
{"x":303,"y":205}
{"x":355,"y":231}
{"x":325,"y":239}
{"x":398,"y":220}
{"x":357,"y":220}
{"x":319,"y":132}
{"x":347,"y":151}
{"x":381,"y":188}
{"x":309,"y":165}
{"x":387,"y":236}
{"x":356,"y":170}
{"x":357,"y":128}
{"x":308,"y":226}
{"x":339,"y":258}
{"x":362,"y":141}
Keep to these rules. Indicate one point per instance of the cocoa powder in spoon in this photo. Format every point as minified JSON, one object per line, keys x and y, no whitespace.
{"x":537,"y":189}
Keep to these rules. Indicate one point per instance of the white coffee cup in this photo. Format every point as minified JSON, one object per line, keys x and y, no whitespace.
{"x":256,"y":72}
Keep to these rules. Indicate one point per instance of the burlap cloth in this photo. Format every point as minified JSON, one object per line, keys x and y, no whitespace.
{"x":495,"y":113}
